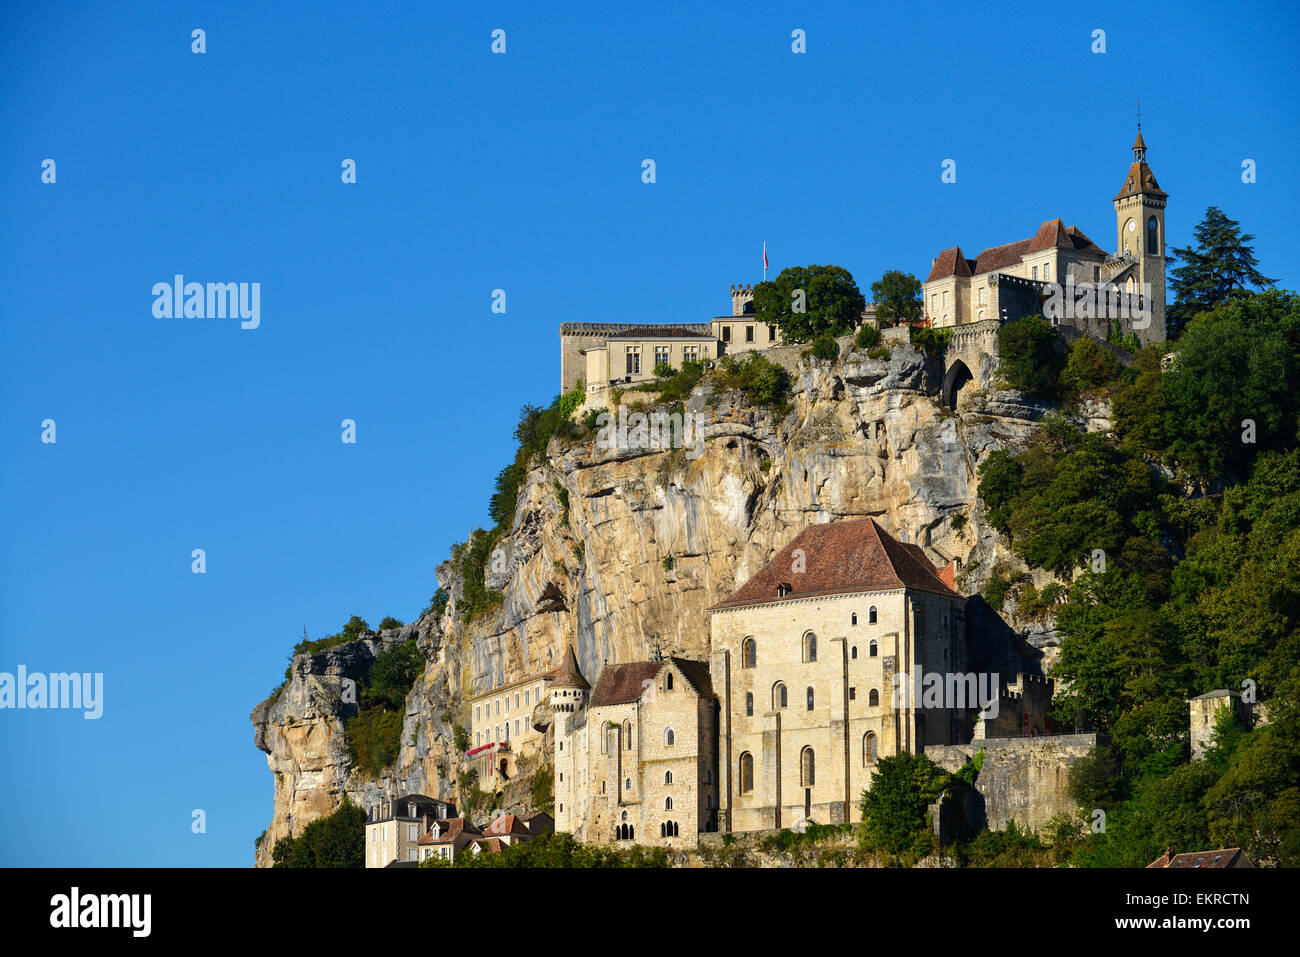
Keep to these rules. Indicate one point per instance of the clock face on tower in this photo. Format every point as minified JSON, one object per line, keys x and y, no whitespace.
{"x":1132,"y":226}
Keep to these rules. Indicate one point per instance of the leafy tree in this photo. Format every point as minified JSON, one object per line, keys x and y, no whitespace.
{"x":894,"y":810}
{"x":898,"y":297}
{"x":393,"y":674}
{"x":1089,"y":365}
{"x":1032,"y":356}
{"x":337,"y":840}
{"x":388,"y":623}
{"x":1221,"y":265}
{"x":831,"y":298}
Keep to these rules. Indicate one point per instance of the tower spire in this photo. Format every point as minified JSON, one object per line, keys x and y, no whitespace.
{"x":1139,"y":144}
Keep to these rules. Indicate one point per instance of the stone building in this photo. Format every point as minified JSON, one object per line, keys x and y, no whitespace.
{"x":815,"y":662}
{"x":1204,"y":713}
{"x":501,"y":727}
{"x":394,"y":829}
{"x":1011,"y":280}
{"x":636,"y":761}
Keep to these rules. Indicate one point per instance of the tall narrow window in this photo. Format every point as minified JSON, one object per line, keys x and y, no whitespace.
{"x":872,"y":649}
{"x":873,"y":699}
{"x":749,"y":654}
{"x":810,"y":647}
{"x":746,"y":772}
{"x":749,"y":704}
{"x":807,"y":768}
{"x":1153,"y":237}
{"x":669,"y":738}
{"x":778,"y":695}
{"x":869,"y":748}
{"x":668,"y":777}
{"x":670,"y":681}
{"x":871,"y":615}
{"x":810,"y":699}
{"x":853,"y":618}
{"x":627,"y":735}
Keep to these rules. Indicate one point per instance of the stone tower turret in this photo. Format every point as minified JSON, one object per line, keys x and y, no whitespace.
{"x":1140,"y":226}
{"x":742,"y":300}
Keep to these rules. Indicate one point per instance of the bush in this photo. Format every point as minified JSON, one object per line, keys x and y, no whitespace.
{"x":1089,"y":366}
{"x":374,"y":739}
{"x":1032,"y":356}
{"x":763,"y":383}
{"x":338,"y":840}
{"x":824,"y":348}
{"x":930,"y":341}
{"x":389,"y":623}
{"x":958,"y":522}
{"x":867,"y":337}
{"x":663,"y":370}
{"x":437,"y":604}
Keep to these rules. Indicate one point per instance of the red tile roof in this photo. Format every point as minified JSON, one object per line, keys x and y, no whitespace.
{"x":623,"y":684}
{"x":1052,"y":233}
{"x":841,"y":558}
{"x":451,"y":828}
{"x":1224,"y":858}
{"x":951,"y":262}
{"x":506,"y":824}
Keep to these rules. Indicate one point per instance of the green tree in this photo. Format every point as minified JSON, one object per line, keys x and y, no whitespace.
{"x":898,"y":297}
{"x":1032,"y":357}
{"x":1089,"y":365}
{"x":894,"y":811}
{"x":831,"y":301}
{"x":1221,"y":265}
{"x":337,"y":840}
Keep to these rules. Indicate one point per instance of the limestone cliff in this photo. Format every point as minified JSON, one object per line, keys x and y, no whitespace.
{"x":647,"y":543}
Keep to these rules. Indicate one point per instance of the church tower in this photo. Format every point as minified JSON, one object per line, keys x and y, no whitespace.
{"x":1140,"y":223}
{"x":568,"y":696}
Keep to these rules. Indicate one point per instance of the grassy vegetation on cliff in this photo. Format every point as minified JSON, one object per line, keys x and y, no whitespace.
{"x":375,"y":733}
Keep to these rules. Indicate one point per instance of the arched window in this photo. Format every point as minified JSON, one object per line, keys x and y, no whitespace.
{"x":624,"y":816}
{"x":871,"y":615}
{"x":749,"y":654}
{"x":853,"y":618}
{"x":668,"y":777}
{"x":810,"y":647}
{"x":749,"y":704}
{"x":627,"y":735}
{"x":871,"y":649}
{"x":668,"y":804}
{"x":627,"y":786}
{"x":778,"y":695}
{"x":669,"y":683}
{"x":668,"y":738}
{"x":869,"y":748}
{"x":746,"y":772}
{"x":853,"y":652}
{"x":807,"y":768}
{"x":873,"y":699}
{"x":1153,"y":237}
{"x":810,"y":699}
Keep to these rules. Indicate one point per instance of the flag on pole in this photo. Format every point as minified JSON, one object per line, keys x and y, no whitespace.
{"x":765,"y":260}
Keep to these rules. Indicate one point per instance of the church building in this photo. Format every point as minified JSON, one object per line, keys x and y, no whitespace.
{"x":1012,"y":280}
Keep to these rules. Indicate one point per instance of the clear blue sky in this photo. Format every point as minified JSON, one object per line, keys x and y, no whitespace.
{"x":475,"y":171}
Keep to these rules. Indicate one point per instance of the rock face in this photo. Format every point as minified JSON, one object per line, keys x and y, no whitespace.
{"x":647,"y":542}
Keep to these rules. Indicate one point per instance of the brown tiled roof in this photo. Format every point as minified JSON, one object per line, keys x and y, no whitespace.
{"x":490,"y":845}
{"x":567,"y":674}
{"x":506,"y":824}
{"x":951,"y":262}
{"x":1080,"y":241}
{"x":661,"y":332}
{"x":623,"y":684}
{"x":1051,"y":233}
{"x":948,"y":575}
{"x":451,"y":828}
{"x":1140,"y":179}
{"x":1000,"y":257}
{"x":1226,"y":857}
{"x":840,"y":558}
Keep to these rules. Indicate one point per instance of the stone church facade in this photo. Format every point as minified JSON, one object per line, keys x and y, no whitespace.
{"x":804,"y":659}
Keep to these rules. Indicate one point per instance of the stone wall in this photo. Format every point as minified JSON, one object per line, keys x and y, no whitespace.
{"x":1025,"y":780}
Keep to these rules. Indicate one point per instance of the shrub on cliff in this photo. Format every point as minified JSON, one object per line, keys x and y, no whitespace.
{"x":1032,"y":357}
{"x":806,"y":301}
{"x":868,"y":337}
{"x":338,"y":840}
{"x":894,"y":811}
{"x":825,"y":348}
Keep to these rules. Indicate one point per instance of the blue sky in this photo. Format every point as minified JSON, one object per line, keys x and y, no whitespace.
{"x":475,"y":172}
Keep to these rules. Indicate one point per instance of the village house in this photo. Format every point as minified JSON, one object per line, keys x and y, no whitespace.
{"x":393,"y":829}
{"x":447,"y":838}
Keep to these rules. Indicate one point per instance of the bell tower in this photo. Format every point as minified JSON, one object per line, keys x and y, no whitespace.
{"x":1140,"y":226}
